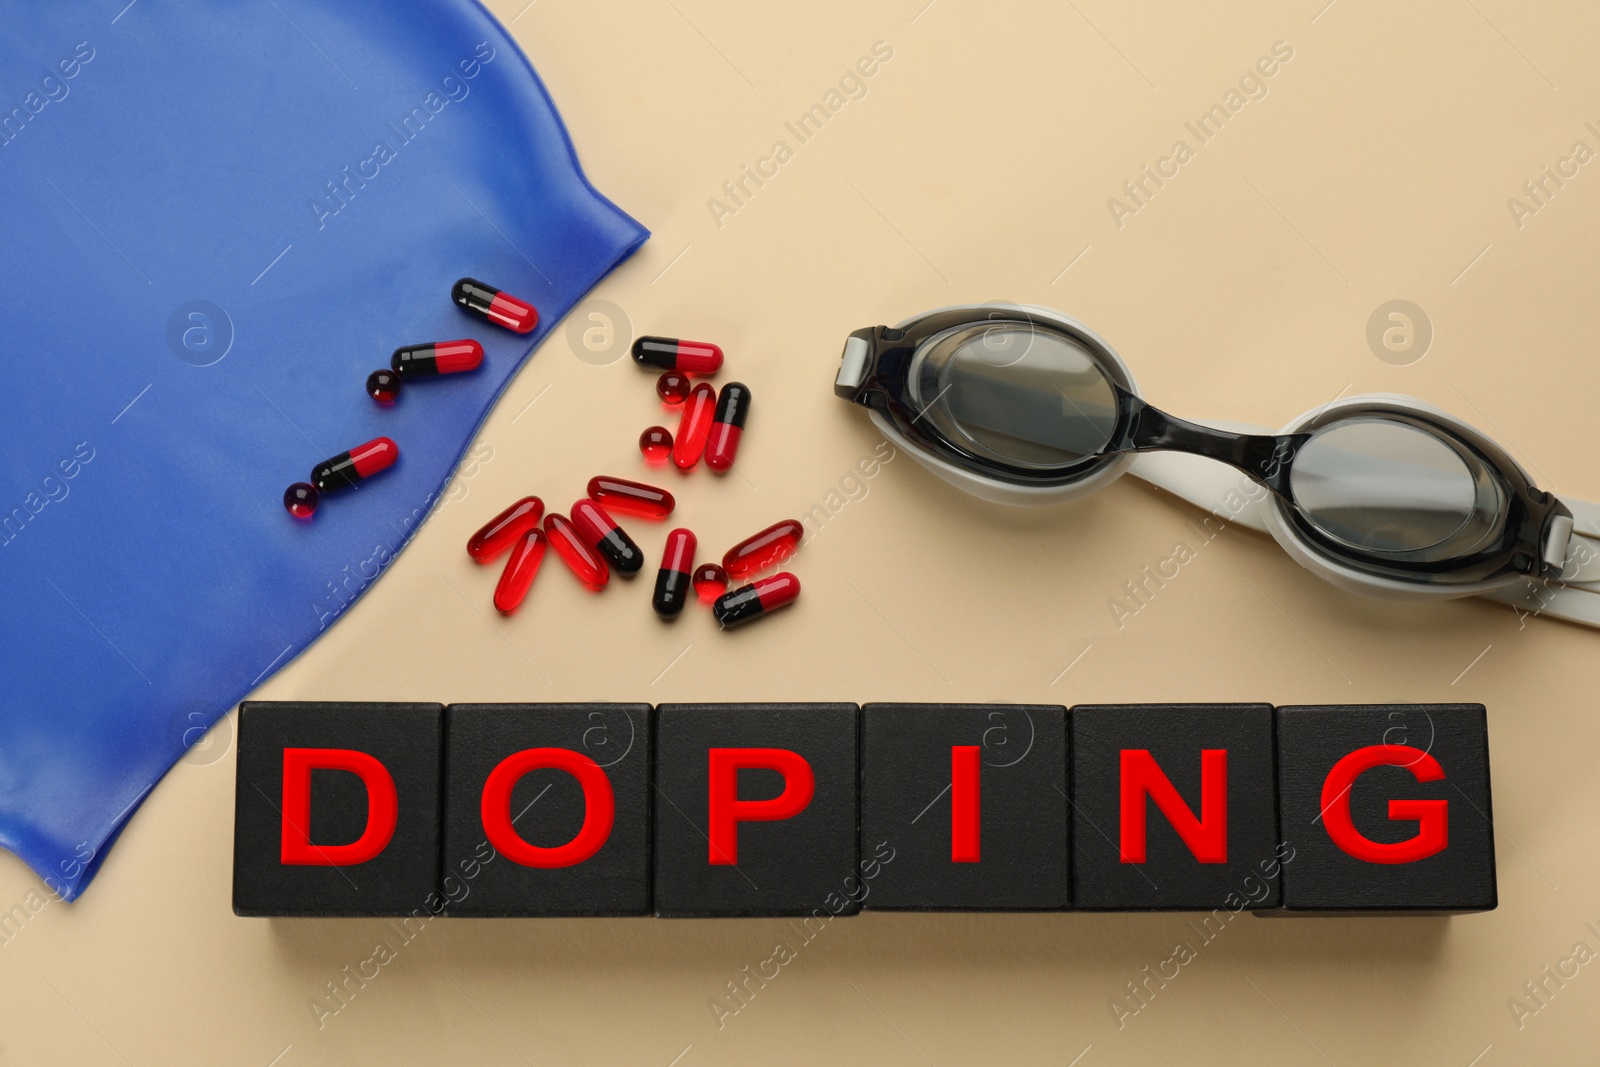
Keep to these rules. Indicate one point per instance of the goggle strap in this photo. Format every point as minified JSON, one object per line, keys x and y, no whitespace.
{"x":1575,"y":597}
{"x":1214,"y":487}
{"x":1582,"y":564}
{"x":1533,"y":598}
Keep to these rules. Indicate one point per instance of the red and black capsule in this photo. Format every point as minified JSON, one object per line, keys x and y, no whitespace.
{"x":694,"y":427}
{"x":669,"y":353}
{"x":586,"y":563}
{"x":355,"y":466}
{"x":521,"y":569}
{"x":440,"y":357}
{"x":502,"y":531}
{"x":384,"y":386}
{"x":722,"y":444}
{"x":757,"y":599}
{"x":636,"y":498}
{"x":673,"y":581}
{"x":602,"y":531}
{"x":766,"y":549}
{"x":500,"y":308}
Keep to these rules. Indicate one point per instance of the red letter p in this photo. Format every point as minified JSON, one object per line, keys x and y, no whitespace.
{"x":727,"y":811}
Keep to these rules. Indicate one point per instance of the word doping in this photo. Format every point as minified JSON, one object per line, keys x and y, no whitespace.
{"x":767,"y":809}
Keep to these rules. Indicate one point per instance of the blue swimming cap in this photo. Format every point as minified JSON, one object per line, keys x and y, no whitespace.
{"x":219,"y":219}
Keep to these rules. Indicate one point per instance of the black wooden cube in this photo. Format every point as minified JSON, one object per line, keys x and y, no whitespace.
{"x":1387,"y":808}
{"x":766,"y":853}
{"x":364,"y":768}
{"x":1198,"y":779}
{"x":600,"y":753}
{"x":968,"y":802}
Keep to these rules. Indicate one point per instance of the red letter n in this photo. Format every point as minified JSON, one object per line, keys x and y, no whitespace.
{"x":1207,"y":836}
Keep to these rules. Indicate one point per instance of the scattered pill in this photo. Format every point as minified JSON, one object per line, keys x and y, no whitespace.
{"x":502,"y":531}
{"x":490,"y":303}
{"x":673,"y":387}
{"x":602,"y":531}
{"x":673,"y":580}
{"x":300,"y":499}
{"x":635,"y":498}
{"x":669,"y":353}
{"x":383,"y":386}
{"x":656,"y":444}
{"x":520,"y":570}
{"x":442,"y":357}
{"x":722,"y":444}
{"x":354,"y":466}
{"x":693,"y":428}
{"x":766,"y":549}
{"x":710,"y":582}
{"x":586,"y":563}
{"x":757,"y":599}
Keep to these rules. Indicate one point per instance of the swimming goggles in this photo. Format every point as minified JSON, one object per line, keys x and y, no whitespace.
{"x":1380,"y":494}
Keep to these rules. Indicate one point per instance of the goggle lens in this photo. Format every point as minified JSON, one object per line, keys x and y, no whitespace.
{"x":1016,"y":394}
{"x":1392,"y":487}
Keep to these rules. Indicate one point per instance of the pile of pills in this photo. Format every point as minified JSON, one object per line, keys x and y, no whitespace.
{"x":588,"y":539}
{"x":409,"y":363}
{"x":710,"y":423}
{"x":593,"y":544}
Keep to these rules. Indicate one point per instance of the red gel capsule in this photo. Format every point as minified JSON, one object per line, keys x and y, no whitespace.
{"x":383,"y":386}
{"x":766,"y":549}
{"x":300,"y":500}
{"x":673,"y":388}
{"x":710,"y":582}
{"x":602,"y":531}
{"x":487,"y":302}
{"x":655,"y":444}
{"x":521,"y":568}
{"x":669,"y":353}
{"x":356,"y":465}
{"x":502,"y":531}
{"x":585,"y":562}
{"x":757,"y":599}
{"x":442,"y":357}
{"x":635,"y":498}
{"x":722,"y":443}
{"x":694,"y":427}
{"x":673,"y":580}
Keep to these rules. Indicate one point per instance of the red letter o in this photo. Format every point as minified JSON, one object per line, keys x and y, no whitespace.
{"x":599,"y":807}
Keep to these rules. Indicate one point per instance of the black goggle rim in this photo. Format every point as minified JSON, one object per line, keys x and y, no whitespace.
{"x":886,"y":388}
{"x":1268,"y":459}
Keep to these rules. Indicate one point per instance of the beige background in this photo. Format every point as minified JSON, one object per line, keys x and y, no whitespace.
{"x":978,"y":165}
